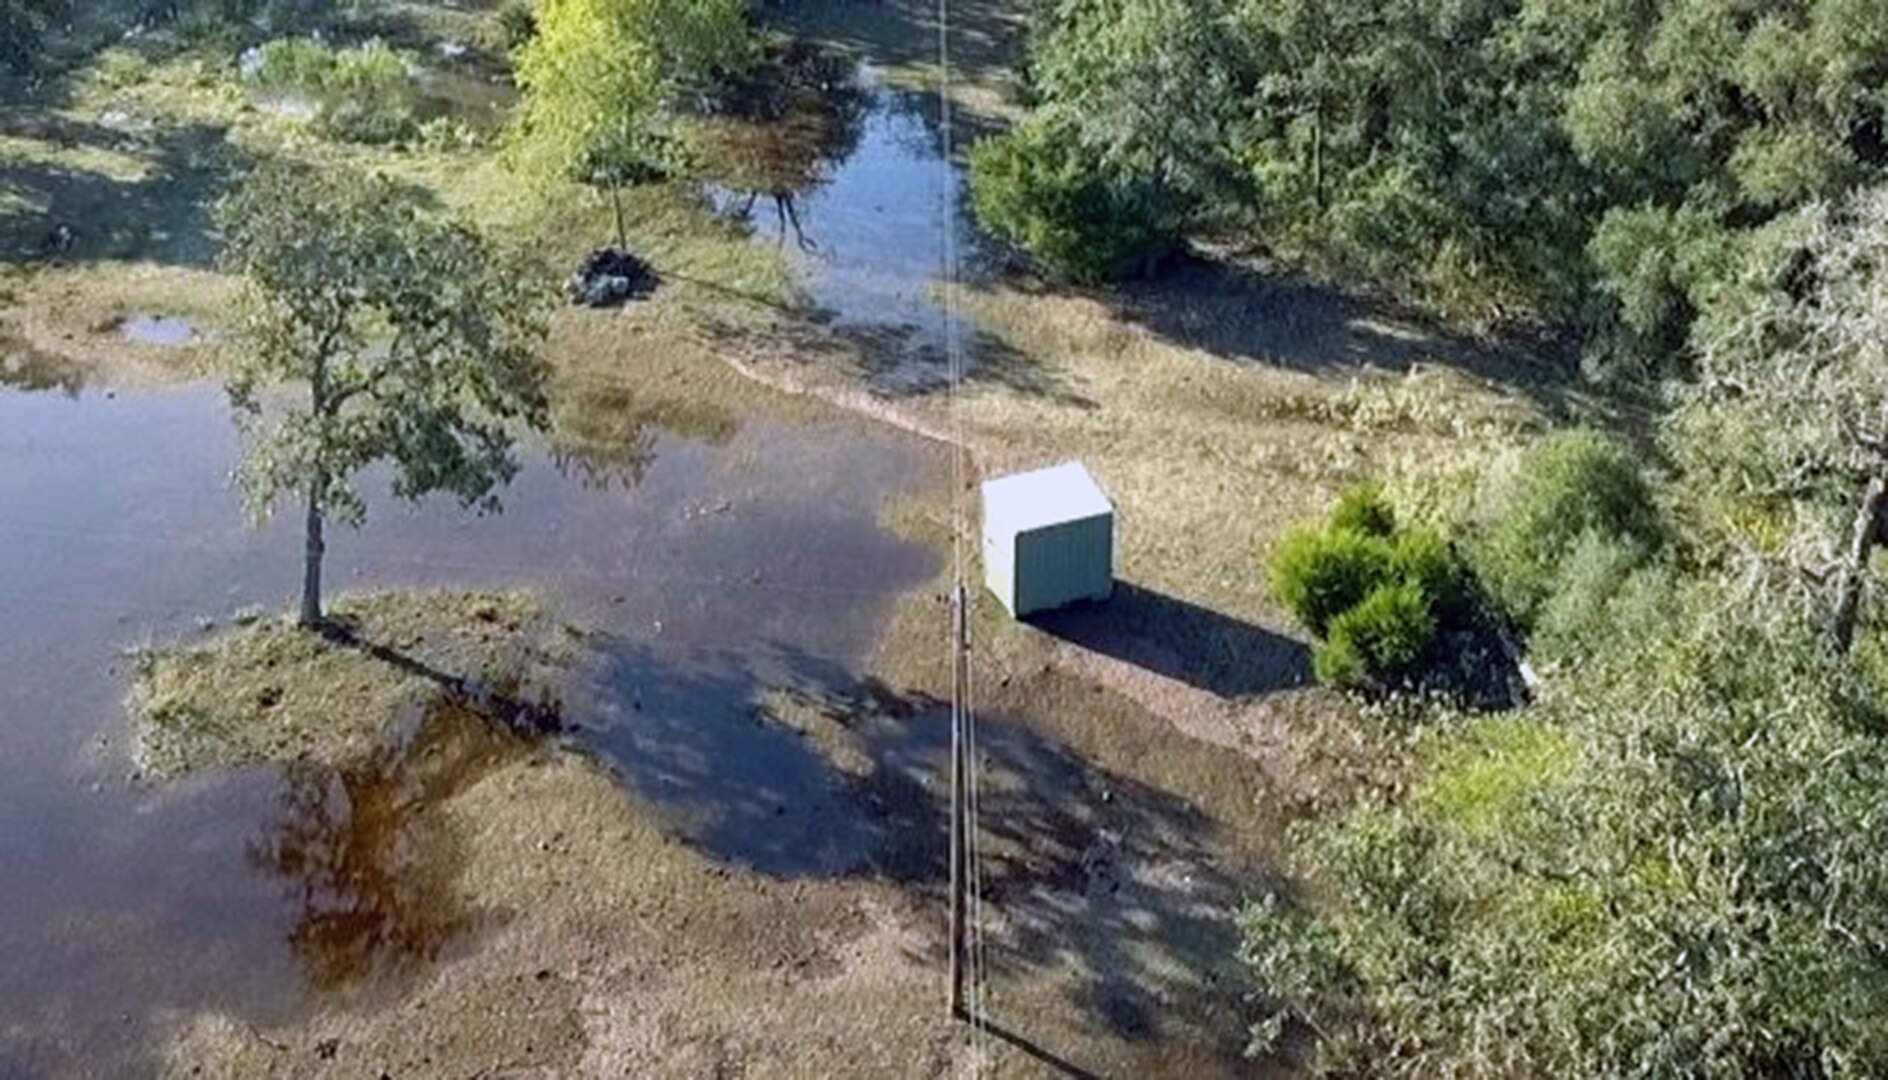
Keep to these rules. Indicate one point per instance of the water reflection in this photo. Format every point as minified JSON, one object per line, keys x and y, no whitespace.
{"x":26,"y":367}
{"x":364,"y":855}
{"x":606,"y":433}
{"x":780,"y":133}
{"x":170,"y":331}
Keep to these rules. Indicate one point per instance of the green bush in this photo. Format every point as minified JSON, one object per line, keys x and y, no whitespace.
{"x":1378,"y":598}
{"x":1364,"y":509}
{"x":1038,"y":188}
{"x":1569,"y":486}
{"x":1320,"y":573}
{"x":1664,"y":869}
{"x":1605,"y":590}
{"x":1382,"y":639}
{"x":1423,"y":558}
{"x":363,"y":94}
{"x":121,"y":68}
{"x":371,"y":95}
{"x":290,"y":66}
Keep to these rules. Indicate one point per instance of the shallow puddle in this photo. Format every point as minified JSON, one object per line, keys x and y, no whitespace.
{"x":122,"y":902}
{"x":170,"y":331}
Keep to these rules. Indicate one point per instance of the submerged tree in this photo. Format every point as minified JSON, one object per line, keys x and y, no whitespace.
{"x":603,"y":78}
{"x":416,"y":343}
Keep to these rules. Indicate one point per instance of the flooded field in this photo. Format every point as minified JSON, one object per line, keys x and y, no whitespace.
{"x":863,"y":216}
{"x":125,"y":903}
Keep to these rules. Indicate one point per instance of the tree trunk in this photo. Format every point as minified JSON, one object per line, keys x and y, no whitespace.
{"x":313,"y":546}
{"x":1317,"y":151}
{"x":1868,"y":532}
{"x":312,"y":552}
{"x":616,"y":207}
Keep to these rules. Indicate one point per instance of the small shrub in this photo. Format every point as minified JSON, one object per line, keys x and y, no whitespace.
{"x":121,"y":68}
{"x":363,"y":94}
{"x":1568,"y":486}
{"x":1384,"y":638}
{"x":370,"y":95}
{"x":289,"y":66}
{"x":1039,"y":188}
{"x":1606,"y":590}
{"x":1364,"y":509}
{"x":1423,"y":558}
{"x":1321,"y":573}
{"x":1392,"y":608}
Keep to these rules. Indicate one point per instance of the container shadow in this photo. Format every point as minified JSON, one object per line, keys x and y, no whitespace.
{"x":1178,"y":639}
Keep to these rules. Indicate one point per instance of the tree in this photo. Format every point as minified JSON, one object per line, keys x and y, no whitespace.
{"x":1792,"y":404}
{"x":416,"y":343}
{"x":603,"y":79}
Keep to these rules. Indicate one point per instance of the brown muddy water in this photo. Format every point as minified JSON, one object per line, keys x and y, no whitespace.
{"x":124,"y":905}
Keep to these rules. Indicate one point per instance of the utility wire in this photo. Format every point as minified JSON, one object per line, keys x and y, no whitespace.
{"x":963,"y":706}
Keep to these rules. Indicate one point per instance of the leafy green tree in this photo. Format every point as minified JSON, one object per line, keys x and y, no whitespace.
{"x":1086,"y":220}
{"x":414,"y":341}
{"x":1792,"y":405}
{"x":604,"y":79}
{"x":1665,"y":868}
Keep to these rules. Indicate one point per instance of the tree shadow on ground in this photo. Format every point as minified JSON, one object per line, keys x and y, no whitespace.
{"x":1246,"y":315}
{"x":78,"y":215}
{"x":1120,"y":891}
{"x":1181,"y":640}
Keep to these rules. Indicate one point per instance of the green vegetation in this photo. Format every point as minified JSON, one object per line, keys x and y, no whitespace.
{"x":416,"y":341}
{"x":1664,"y":869}
{"x":1665,"y":866}
{"x":1041,"y":189}
{"x":1127,"y":143}
{"x":1562,"y":535}
{"x":1378,"y":596}
{"x":364,"y":94}
{"x":1604,"y":163}
{"x":604,"y":80}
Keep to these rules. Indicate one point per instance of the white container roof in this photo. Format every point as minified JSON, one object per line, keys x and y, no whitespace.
{"x":1034,"y":500}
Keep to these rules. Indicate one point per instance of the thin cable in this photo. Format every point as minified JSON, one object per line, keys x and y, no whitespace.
{"x":961,"y":686}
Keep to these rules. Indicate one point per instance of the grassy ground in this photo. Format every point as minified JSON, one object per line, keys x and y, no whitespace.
{"x":272,"y":692}
{"x":1216,"y":408}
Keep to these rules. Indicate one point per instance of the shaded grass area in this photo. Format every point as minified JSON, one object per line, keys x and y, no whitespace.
{"x":273,"y":692}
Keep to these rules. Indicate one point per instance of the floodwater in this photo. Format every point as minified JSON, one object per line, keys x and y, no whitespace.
{"x":867,"y":231}
{"x":123,"y":903}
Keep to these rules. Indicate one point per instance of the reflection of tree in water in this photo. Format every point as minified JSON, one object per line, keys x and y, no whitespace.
{"x":364,"y":855}
{"x":778,"y":132}
{"x":25,"y":367}
{"x":605,"y":431}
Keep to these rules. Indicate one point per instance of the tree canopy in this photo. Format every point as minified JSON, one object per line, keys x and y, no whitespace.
{"x":603,"y":80}
{"x":1596,"y":162}
{"x":414,"y":340}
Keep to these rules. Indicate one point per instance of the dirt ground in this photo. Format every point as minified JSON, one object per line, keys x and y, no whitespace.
{"x":1138,"y":761}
